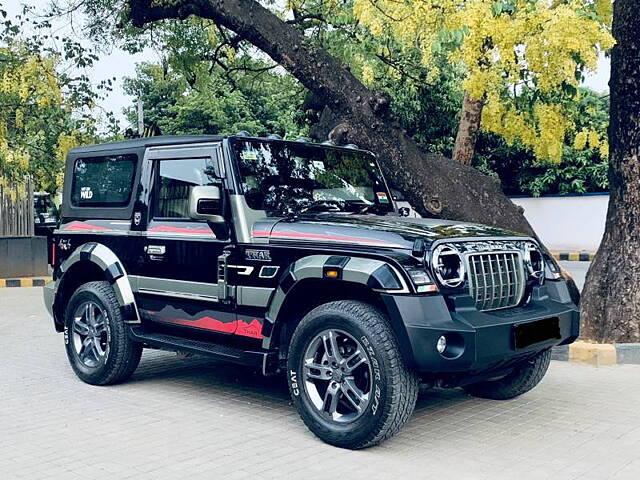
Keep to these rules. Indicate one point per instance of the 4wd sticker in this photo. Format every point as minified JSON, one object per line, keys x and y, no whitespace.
{"x":249,"y":155}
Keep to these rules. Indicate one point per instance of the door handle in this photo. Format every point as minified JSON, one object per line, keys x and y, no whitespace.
{"x":155,"y":252}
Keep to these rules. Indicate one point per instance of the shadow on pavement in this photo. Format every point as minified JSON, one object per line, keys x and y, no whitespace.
{"x":201,"y":373}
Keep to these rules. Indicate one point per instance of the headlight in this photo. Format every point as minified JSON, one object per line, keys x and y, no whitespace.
{"x":447,"y":265}
{"x":534,"y":261}
{"x":421,"y":280}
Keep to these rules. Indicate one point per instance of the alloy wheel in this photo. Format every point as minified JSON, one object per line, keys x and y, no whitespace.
{"x":337,"y":376}
{"x":89,"y":333}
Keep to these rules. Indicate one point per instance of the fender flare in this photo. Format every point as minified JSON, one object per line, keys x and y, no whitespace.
{"x":114,"y":272}
{"x":378,"y":275}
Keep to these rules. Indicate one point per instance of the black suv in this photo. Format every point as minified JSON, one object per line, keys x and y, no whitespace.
{"x":289,"y":256}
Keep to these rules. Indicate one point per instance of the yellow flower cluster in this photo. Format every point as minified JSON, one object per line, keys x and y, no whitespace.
{"x":508,"y":48}
{"x":28,"y":81}
{"x":591,"y":139}
{"x":32,"y":80}
{"x":65,"y":143}
{"x":367,"y":74}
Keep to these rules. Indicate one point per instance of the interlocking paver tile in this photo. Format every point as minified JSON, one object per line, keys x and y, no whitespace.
{"x":193,"y":418}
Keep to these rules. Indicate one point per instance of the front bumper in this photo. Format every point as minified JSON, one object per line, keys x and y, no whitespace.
{"x":486,"y":339}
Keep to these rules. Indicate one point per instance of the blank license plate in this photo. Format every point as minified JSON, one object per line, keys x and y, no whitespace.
{"x":529,"y":333}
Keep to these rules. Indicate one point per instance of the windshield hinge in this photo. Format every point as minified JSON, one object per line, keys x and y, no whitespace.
{"x":226,"y":292}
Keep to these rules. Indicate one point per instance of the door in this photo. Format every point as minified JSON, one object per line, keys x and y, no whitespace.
{"x":177,"y":285}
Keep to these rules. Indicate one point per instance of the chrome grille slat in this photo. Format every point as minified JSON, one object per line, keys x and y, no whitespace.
{"x":484,"y":283}
{"x":496,"y":280}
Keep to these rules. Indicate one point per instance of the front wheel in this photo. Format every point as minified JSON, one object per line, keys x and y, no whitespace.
{"x":99,"y":350}
{"x":347,"y":377}
{"x":523,"y":378}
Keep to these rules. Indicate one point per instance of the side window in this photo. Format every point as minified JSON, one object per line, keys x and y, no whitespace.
{"x":103,"y":181}
{"x":173,"y":184}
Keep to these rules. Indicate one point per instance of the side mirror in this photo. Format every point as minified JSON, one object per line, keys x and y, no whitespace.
{"x":205,"y":203}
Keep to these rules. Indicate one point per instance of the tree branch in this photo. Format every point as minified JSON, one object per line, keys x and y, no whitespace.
{"x":462,"y":192}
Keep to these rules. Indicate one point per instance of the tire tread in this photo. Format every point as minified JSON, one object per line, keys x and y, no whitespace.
{"x":126,"y":353}
{"x":402,"y":382}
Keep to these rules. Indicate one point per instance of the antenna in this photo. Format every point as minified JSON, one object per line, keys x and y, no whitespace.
{"x":140,"y":116}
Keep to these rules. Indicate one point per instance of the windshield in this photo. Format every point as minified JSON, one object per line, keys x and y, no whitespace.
{"x":284,"y":178}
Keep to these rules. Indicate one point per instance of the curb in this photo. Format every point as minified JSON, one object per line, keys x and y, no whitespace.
{"x":598,"y":354}
{"x":24,"y":282}
{"x":574,"y":256}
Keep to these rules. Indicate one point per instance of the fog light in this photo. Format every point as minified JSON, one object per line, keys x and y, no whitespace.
{"x":441,"y":346}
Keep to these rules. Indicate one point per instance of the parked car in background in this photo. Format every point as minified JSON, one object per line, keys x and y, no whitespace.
{"x":45,"y":214}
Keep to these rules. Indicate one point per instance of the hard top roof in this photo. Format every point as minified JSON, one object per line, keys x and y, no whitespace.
{"x":145,"y":142}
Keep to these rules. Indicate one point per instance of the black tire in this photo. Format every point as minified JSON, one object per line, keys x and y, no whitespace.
{"x":521,"y":380}
{"x":392,"y":387}
{"x":121,"y":355}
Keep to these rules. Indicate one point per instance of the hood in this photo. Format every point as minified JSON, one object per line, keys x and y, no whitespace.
{"x":370,"y":230}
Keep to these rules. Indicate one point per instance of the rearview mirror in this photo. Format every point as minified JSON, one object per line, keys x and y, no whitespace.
{"x":205,"y":203}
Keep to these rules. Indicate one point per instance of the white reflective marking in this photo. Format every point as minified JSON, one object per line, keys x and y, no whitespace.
{"x":242,"y":269}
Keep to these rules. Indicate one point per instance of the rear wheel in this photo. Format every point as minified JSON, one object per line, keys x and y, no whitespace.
{"x":521,"y":380}
{"x":98,"y":348}
{"x":347,"y":377}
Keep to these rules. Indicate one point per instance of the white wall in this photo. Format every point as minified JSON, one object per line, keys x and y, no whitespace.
{"x":568,"y":223}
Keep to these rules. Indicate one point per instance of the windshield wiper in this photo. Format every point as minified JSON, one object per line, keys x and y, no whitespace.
{"x":366,"y":207}
{"x":347,"y":206}
{"x":323,"y":206}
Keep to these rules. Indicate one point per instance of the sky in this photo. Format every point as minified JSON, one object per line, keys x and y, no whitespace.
{"x":120,"y":64}
{"x":114,"y":63}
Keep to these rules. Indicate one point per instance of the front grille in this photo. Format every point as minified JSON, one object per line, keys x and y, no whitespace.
{"x":496,"y":279}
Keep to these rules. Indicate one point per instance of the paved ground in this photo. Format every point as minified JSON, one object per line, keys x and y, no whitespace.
{"x":195,"y":419}
{"x":578,"y":270}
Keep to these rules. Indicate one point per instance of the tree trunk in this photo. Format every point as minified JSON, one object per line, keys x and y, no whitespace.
{"x":470,"y":116}
{"x":435,"y":186}
{"x":611,"y":307}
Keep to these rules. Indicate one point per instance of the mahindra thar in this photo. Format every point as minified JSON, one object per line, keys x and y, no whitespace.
{"x":290,"y":257}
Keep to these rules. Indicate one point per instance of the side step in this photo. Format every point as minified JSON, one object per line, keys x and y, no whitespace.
{"x":267,"y":361}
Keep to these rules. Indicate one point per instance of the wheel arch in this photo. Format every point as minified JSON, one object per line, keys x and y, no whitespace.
{"x":93,"y":262}
{"x":304,"y":287}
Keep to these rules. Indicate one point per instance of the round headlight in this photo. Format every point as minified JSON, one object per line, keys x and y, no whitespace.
{"x":447,"y":265}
